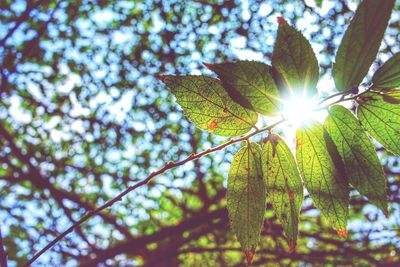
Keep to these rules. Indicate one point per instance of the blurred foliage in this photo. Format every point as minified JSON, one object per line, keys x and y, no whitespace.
{"x":82,"y":117}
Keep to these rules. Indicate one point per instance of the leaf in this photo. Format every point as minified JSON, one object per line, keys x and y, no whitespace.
{"x":379,"y":114}
{"x":250,"y":84}
{"x":283,"y":184}
{"x":246,"y":197}
{"x":207,"y":105}
{"x":294,"y":62}
{"x":388,"y":76}
{"x":324,"y":179}
{"x":361,"y":162}
{"x":360,"y":43}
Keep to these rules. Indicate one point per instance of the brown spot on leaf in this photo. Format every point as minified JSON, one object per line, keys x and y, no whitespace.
{"x":248,"y":169}
{"x":386,"y":214}
{"x":299,"y":143}
{"x":291,"y":196}
{"x":212,"y":125}
{"x":226,"y":110}
{"x":341,"y":233}
{"x":249,"y":255}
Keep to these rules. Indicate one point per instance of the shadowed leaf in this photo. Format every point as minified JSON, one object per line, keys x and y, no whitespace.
{"x":250,"y":84}
{"x":361,"y":42}
{"x":361,"y":162}
{"x":379,"y":114}
{"x":388,"y":76}
{"x":206,"y":103}
{"x":283,"y":184}
{"x":322,"y":175}
{"x":295,"y":62}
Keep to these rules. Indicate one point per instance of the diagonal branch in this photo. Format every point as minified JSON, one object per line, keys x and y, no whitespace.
{"x":168,"y":166}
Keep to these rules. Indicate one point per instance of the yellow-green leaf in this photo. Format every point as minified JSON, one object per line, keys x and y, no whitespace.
{"x":361,"y":42}
{"x":388,"y":76}
{"x":361,"y":162}
{"x":283,"y":184}
{"x":379,"y":114}
{"x":246,"y":197}
{"x":323,"y":174}
{"x":208,"y":106}
{"x":295,"y":62}
{"x":250,"y":84}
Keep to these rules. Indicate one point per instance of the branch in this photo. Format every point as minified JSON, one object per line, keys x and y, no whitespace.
{"x":30,"y":5}
{"x":168,"y":166}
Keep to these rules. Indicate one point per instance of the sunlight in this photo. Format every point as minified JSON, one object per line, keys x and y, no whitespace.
{"x":300,"y":109}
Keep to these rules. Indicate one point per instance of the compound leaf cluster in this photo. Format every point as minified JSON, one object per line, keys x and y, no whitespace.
{"x":330,"y":158}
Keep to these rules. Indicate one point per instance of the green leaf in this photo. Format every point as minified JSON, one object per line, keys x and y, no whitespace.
{"x":207,"y":105}
{"x":388,"y":76}
{"x":361,"y":162}
{"x":283,"y":184}
{"x":322,"y":172}
{"x":250,"y":84}
{"x":361,"y":42}
{"x":246,"y":197}
{"x":379,"y":114}
{"x":295,"y":62}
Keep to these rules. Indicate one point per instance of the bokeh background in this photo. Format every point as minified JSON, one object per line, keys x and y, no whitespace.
{"x":82,"y":117}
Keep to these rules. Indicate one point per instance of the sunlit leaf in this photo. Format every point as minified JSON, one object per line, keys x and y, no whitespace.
{"x":207,"y":104}
{"x":246,"y":197}
{"x":361,"y":42}
{"x":388,"y":76}
{"x":250,"y":84}
{"x":283,"y":184}
{"x":379,"y":114}
{"x":323,"y":174}
{"x":294,"y":61}
{"x":361,"y":162}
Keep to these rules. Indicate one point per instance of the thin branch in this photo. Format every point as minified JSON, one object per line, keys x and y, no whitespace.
{"x":30,"y":5}
{"x":168,"y":166}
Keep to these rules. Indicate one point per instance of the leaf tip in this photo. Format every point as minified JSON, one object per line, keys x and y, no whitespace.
{"x":341,"y":233}
{"x":281,"y":20}
{"x":160,"y":77}
{"x":292,"y":245}
{"x":209,"y":66}
{"x":386,"y":213}
{"x":249,"y":255}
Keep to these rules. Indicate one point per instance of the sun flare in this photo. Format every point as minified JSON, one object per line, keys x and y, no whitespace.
{"x":300,"y":109}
